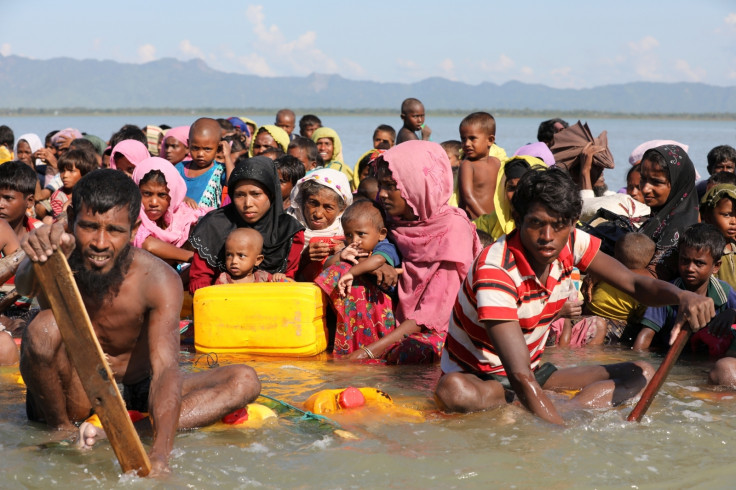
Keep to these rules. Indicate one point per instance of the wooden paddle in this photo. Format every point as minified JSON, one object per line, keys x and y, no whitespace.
{"x":658,"y":379}
{"x":86,"y":356}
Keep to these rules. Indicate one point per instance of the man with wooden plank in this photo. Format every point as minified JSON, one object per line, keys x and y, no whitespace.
{"x":133,"y":300}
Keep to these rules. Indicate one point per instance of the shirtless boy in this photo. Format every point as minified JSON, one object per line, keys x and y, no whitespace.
{"x":502,"y":315}
{"x":133,"y":300}
{"x":478,"y":171}
{"x":286,"y":120}
{"x":412,"y":113}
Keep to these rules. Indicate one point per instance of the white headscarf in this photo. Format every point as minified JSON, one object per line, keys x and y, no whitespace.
{"x":332,"y":179}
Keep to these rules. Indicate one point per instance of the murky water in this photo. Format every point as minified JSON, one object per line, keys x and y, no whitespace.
{"x":685,"y":441}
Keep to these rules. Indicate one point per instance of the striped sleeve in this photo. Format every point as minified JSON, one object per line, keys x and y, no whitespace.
{"x":496,"y":294}
{"x":586,"y":248}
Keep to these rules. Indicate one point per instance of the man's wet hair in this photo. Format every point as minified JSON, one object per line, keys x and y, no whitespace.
{"x":290,"y":167}
{"x":311,"y":148}
{"x":308,"y":120}
{"x":484,"y":120}
{"x":104,"y":189}
{"x":19,"y":177}
{"x":703,"y":236}
{"x":546,"y":131}
{"x":7,"y":137}
{"x":364,"y":208}
{"x":128,"y":132}
{"x":720,"y":154}
{"x":723,"y":178}
{"x":82,"y":159}
{"x":552,"y":188}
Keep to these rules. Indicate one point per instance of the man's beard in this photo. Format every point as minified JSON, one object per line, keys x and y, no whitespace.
{"x":600,"y":190}
{"x":95,"y":285}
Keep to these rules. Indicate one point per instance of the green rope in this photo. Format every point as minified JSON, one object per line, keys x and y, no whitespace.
{"x":306,"y":415}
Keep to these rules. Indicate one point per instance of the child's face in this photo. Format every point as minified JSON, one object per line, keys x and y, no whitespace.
{"x":155,"y":199}
{"x":632,"y":186}
{"x":363,"y":232}
{"x":13,"y":205}
{"x":286,"y":186}
{"x":263,"y":142}
{"x":241,"y":256}
{"x":723,"y":217}
{"x":476,"y":142}
{"x":382,"y":140}
{"x":414,"y":117}
{"x":309,"y":129}
{"x":301,"y":155}
{"x":695,"y":267}
{"x":452,"y":156}
{"x":70,"y":176}
{"x":655,"y":186}
{"x":203,"y":148}
{"x":321,"y":209}
{"x":390,"y":196}
{"x":124,"y":165}
{"x":326,"y":148}
{"x":174,"y":150}
{"x":24,"y":153}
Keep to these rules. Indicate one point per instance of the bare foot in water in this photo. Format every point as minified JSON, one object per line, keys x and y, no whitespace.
{"x":89,"y":434}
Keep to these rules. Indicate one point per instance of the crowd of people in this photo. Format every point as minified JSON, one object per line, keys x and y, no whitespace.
{"x":451,"y":253}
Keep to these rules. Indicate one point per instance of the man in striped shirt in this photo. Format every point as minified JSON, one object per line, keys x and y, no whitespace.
{"x":515,"y":289}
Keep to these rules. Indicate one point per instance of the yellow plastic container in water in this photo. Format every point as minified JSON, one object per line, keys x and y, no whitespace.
{"x":272,"y":319}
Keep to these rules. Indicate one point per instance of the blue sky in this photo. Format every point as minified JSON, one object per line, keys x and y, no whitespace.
{"x":566,"y":44}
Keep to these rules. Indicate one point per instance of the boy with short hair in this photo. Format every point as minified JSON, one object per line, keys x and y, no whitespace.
{"x":412,"y":113}
{"x":17,"y":189}
{"x":243,"y":255}
{"x":205,"y":177}
{"x":700,"y":251}
{"x":305,"y":150}
{"x":384,"y":137}
{"x":73,"y":165}
{"x":290,"y":170}
{"x":502,"y":314}
{"x":479,"y":170}
{"x":285,"y":119}
{"x":308,"y":124}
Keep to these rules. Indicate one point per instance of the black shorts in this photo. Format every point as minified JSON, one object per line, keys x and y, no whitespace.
{"x":136,"y":395}
{"x":542,"y":374}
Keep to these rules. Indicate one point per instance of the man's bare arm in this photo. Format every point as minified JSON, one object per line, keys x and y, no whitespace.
{"x":165,"y":299}
{"x":511,"y":348}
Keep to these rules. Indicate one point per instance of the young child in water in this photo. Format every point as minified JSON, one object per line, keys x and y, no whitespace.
{"x":479,"y":170}
{"x":412,"y":113}
{"x":73,"y":165}
{"x":718,"y":207}
{"x":366,"y":316}
{"x":700,"y":250}
{"x":243,"y":255}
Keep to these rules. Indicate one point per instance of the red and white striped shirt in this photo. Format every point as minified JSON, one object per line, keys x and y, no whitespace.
{"x":502,"y":286}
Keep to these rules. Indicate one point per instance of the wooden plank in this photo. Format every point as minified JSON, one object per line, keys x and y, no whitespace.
{"x":647,"y":397}
{"x":88,"y":359}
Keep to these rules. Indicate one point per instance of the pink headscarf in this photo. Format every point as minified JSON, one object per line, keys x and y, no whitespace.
{"x":439,"y":247}
{"x":180,"y":133}
{"x":179,"y":218}
{"x":538,"y":150}
{"x":133,"y":150}
{"x":66,"y":134}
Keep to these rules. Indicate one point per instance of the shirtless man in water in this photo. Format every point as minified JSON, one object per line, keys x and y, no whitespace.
{"x":133,"y":300}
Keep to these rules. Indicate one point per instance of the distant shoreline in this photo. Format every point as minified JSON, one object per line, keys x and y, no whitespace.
{"x":72,"y":111}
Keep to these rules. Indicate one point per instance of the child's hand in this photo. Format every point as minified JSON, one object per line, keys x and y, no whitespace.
{"x":46,"y":156}
{"x":191,"y":203}
{"x":571,"y":309}
{"x":426,"y":132}
{"x":387,"y":276}
{"x":720,"y":326}
{"x":280,"y":277}
{"x":344,"y":284}
{"x":352,"y":252}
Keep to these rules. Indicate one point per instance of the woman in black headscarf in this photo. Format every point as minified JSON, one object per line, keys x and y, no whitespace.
{"x":668,"y":188}
{"x":255,"y":194}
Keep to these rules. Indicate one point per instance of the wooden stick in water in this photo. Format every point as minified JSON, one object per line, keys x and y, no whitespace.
{"x":88,"y":359}
{"x":658,"y":379}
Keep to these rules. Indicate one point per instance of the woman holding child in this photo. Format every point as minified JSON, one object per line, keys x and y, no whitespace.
{"x":668,"y":188}
{"x":317,"y":202}
{"x":437,"y":244}
{"x":255,"y":194}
